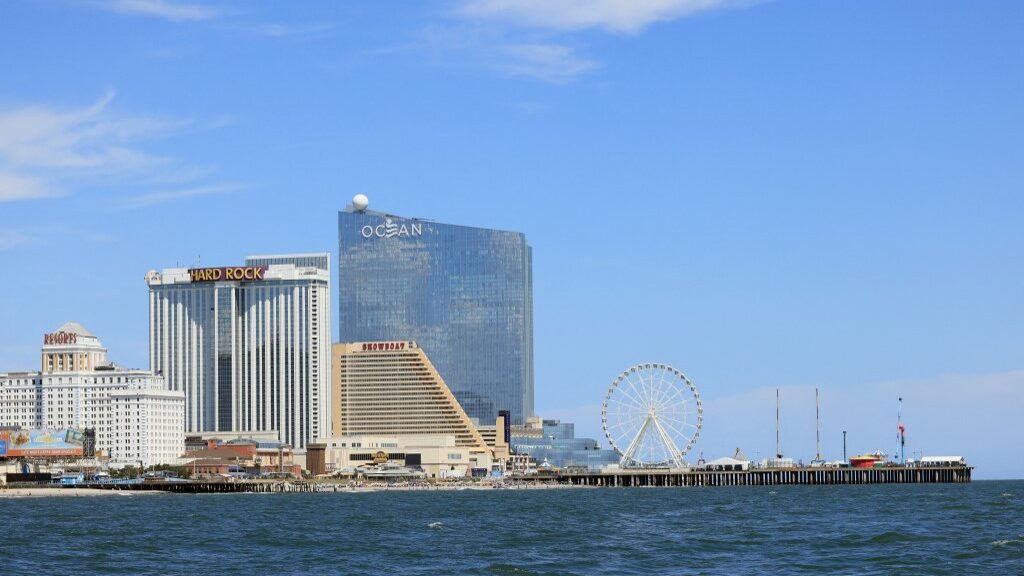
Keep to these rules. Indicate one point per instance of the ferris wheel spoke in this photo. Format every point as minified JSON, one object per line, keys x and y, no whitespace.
{"x":657,"y":388}
{"x":626,"y":426}
{"x":678,"y":433}
{"x":644,"y":392}
{"x":628,"y":422}
{"x":625,"y":407}
{"x":651,"y":387}
{"x":676,"y":392}
{"x":629,"y":391}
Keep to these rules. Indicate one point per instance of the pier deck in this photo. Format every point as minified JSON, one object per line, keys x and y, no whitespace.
{"x":771,"y":477}
{"x":627,"y":478}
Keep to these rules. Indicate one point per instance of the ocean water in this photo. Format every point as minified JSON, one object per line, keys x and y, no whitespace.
{"x":975,"y":528}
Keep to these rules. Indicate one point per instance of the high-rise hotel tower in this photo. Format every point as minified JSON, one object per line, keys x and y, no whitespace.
{"x":249,"y":345}
{"x":465,"y":295}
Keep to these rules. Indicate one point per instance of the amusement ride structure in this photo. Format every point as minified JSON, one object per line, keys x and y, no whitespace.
{"x":652,"y":416}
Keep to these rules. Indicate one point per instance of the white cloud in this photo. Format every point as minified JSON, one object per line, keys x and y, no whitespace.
{"x":548,"y":62}
{"x":47,"y":151}
{"x":627,"y":16}
{"x":88,"y":138}
{"x":18,"y":187}
{"x":164,"y":196}
{"x":161,"y":9}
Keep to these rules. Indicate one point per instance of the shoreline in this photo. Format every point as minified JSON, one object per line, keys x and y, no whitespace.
{"x":61,"y":492}
{"x":64,"y":492}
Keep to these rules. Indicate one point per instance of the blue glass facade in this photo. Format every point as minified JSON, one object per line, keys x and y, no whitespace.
{"x":465,"y":295}
{"x":557,"y":444}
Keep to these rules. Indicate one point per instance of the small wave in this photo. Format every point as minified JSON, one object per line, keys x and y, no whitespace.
{"x":891,"y":537}
{"x":436,"y":525}
{"x":508,"y":569}
{"x":1008,"y":542}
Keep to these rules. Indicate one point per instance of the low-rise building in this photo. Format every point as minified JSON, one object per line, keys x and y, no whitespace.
{"x":438,"y":456}
{"x":136,"y":419}
{"x":249,"y":455}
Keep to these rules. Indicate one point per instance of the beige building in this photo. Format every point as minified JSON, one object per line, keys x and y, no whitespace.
{"x":438,"y":455}
{"x":392,"y":389}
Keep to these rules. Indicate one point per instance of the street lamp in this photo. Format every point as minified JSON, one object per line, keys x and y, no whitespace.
{"x":844,"y":445}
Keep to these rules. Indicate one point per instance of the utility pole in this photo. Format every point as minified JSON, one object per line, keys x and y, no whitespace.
{"x":844,"y":447}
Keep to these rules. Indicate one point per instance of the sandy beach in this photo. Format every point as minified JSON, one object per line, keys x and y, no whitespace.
{"x":64,"y":492}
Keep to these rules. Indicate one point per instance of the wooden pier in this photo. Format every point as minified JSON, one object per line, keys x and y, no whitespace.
{"x":771,"y":477}
{"x":623,"y":479}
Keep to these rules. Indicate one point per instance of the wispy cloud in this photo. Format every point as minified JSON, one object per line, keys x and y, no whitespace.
{"x":175,"y":12}
{"x":11,"y":238}
{"x":293,"y":31}
{"x":87,"y":138}
{"x":47,"y":151}
{"x":225,"y":20}
{"x":20,"y":187}
{"x":53,"y":234}
{"x":529,"y":31}
{"x":624,"y":16}
{"x":547,"y":62}
{"x":165,"y":196}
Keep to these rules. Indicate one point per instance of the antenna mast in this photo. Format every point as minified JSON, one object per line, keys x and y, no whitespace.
{"x":778,"y":447}
{"x":901,"y":433}
{"x":817,"y":426}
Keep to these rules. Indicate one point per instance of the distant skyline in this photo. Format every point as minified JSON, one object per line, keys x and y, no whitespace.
{"x":787,"y":193}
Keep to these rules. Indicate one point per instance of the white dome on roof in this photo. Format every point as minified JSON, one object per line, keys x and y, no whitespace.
{"x":73,"y":327}
{"x":360,"y":202}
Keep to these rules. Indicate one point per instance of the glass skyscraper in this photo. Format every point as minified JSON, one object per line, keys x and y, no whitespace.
{"x":465,"y":295}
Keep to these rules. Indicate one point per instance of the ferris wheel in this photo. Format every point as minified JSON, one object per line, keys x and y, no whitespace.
{"x":652,"y":416}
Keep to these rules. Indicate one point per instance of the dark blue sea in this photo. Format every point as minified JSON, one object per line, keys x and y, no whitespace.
{"x":968,"y":529}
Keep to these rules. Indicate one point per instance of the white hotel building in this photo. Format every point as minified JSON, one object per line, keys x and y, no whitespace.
{"x":135,"y":417}
{"x":250,"y":346}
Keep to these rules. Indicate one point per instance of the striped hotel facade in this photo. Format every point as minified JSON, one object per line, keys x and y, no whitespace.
{"x":250,"y":346}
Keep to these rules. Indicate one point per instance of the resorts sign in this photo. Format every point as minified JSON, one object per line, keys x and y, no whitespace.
{"x":390,"y":230}
{"x":60,"y":338}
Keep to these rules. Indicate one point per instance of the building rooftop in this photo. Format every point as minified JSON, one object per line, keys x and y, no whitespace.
{"x":72,"y":327}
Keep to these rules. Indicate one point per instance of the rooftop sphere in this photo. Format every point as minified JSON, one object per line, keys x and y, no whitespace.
{"x":360,"y":202}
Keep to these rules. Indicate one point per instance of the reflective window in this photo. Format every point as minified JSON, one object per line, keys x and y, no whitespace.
{"x":463,"y":294}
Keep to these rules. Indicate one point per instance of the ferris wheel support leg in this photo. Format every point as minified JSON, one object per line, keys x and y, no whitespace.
{"x":627,"y":456}
{"x":669,"y":444}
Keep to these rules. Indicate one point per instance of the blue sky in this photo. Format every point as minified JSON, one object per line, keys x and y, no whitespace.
{"x":790,"y":194}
